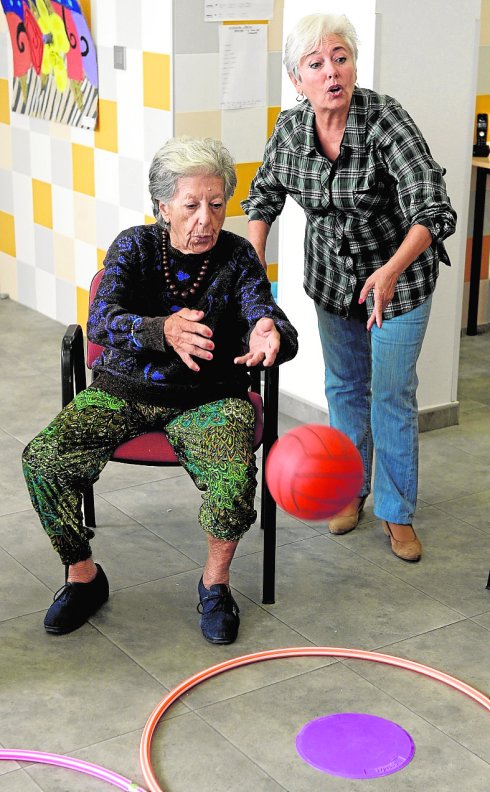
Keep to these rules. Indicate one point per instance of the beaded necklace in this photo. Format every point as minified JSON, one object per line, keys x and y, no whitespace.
{"x":176,"y":292}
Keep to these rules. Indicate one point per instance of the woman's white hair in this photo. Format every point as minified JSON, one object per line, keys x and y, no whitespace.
{"x":185,"y":156}
{"x":308,"y":33}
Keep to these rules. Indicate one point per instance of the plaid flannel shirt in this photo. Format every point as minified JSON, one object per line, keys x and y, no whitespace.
{"x":360,"y":207}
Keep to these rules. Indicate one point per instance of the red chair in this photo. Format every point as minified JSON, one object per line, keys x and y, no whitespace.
{"x":153,"y":448}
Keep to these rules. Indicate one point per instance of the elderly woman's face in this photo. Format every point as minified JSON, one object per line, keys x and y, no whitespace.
{"x":196,"y":213}
{"x":327,"y":76}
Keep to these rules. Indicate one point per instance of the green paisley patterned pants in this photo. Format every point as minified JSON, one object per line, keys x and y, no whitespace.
{"x":213,"y":442}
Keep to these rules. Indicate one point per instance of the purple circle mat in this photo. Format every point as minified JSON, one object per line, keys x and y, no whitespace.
{"x":354,"y":745}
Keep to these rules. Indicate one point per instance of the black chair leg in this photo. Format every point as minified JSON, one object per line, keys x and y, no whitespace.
{"x":89,"y":507}
{"x":488,"y":582}
{"x":268,"y":521}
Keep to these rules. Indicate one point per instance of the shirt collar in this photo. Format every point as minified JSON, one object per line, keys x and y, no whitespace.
{"x":355,"y":127}
{"x":303,"y":139}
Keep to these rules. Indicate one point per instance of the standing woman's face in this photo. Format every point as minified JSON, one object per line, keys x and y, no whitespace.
{"x":327,"y":76}
{"x":196,"y":213}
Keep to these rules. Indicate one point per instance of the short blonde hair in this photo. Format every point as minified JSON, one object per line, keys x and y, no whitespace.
{"x":308,"y":33}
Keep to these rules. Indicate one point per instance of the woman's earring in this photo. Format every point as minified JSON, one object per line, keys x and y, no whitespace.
{"x":299,"y":97}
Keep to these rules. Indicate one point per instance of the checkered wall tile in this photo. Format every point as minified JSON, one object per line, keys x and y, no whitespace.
{"x":65,"y":193}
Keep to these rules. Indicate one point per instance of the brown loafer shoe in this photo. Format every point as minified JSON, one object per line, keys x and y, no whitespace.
{"x":408,"y":549}
{"x":344,"y":523}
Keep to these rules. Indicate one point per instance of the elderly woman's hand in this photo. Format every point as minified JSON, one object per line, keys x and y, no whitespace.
{"x":264,"y":344}
{"x":184,"y":332}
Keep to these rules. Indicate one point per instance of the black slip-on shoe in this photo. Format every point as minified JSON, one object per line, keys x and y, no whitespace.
{"x":74,"y":603}
{"x":219,"y":613}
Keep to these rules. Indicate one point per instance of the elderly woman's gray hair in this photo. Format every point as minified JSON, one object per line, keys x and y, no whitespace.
{"x":187,"y":156}
{"x":307,"y":35}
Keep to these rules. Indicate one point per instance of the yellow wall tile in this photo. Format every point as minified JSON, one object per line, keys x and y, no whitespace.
{"x":156,"y":80}
{"x":8,"y":275}
{"x":101,"y":254}
{"x":4,"y":102}
{"x":82,"y":307}
{"x":482,"y":106}
{"x":237,"y":225}
{"x":5,"y":147}
{"x":105,"y":136}
{"x":485,"y":24}
{"x":483,"y":103}
{"x":246,"y":22}
{"x":83,"y":169}
{"x":7,"y":233}
{"x":59,"y":131}
{"x":84,"y":218}
{"x":64,"y":257}
{"x":272,"y":272}
{"x":199,"y":124}
{"x":42,"y":203}
{"x":245,"y":172}
{"x":274,"y":43}
{"x":272,"y":113}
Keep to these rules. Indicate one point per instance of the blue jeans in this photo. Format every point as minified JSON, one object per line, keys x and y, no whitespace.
{"x":371,"y":384}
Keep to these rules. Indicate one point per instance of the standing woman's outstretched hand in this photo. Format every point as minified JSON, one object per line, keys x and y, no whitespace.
{"x":382,"y":283}
{"x":264,"y":344}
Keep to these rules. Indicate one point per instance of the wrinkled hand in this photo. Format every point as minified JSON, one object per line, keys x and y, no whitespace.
{"x":264,"y":344}
{"x":383,"y":283}
{"x":186,"y":335}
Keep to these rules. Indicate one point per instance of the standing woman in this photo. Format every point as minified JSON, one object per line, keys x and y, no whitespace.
{"x":377,"y":213}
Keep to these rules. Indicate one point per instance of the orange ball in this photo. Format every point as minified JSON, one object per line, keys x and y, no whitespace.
{"x":313,"y":471}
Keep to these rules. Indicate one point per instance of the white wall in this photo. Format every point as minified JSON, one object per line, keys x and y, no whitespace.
{"x":433,"y":74}
{"x":425,"y":55}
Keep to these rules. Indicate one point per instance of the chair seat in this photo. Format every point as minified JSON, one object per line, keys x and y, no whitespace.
{"x":153,"y":448}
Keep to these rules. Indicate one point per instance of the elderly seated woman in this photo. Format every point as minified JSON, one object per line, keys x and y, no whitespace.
{"x":182,"y":310}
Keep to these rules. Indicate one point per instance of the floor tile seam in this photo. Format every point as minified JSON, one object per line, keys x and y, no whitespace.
{"x":468,"y":455}
{"x":24,"y":770}
{"x":417,"y":714}
{"x":327,"y":663}
{"x":11,"y":436}
{"x":19,"y":440}
{"x":29,"y":571}
{"x":473,"y":618}
{"x":28,"y":510}
{"x":382,"y":648}
{"x":464,"y":522}
{"x":240,"y":750}
{"x":74,"y":752}
{"x":134,"y":661}
{"x":402,"y":579}
{"x":42,"y":611}
{"x":338,"y":541}
{"x":137,"y":484}
{"x":155,"y":534}
{"x":130,"y":586}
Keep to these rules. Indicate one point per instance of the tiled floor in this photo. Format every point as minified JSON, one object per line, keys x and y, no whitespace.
{"x":89,"y":694}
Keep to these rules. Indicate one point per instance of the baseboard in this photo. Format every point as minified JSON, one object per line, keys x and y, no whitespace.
{"x":438,"y":417}
{"x":301,"y":409}
{"x":305,"y":412}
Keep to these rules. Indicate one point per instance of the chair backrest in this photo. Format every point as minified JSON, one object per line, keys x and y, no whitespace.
{"x":94,"y":350}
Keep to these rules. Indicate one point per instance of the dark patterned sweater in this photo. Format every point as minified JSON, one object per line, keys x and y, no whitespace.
{"x":126,"y":318}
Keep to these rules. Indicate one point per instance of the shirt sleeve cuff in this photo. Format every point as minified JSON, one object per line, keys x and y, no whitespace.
{"x":148,"y":334}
